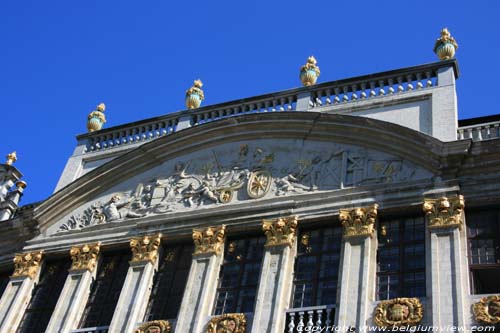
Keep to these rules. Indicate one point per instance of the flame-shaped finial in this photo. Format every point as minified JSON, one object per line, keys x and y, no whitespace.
{"x":11,"y":158}
{"x":101,"y":107}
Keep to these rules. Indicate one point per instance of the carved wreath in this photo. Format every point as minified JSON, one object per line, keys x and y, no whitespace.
{"x":228,"y":323}
{"x":156,"y":326}
{"x":487,"y":310}
{"x":398,"y":312}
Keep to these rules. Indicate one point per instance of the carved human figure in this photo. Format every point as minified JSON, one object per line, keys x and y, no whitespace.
{"x":206,"y":192}
{"x":188,"y":194}
{"x":115,"y":210}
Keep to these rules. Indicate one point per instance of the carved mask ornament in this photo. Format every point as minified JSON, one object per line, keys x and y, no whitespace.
{"x":228,"y":323}
{"x":398,"y":312}
{"x":280,"y":231}
{"x":444,"y":212}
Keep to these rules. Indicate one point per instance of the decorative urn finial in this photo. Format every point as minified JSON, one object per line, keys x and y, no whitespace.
{"x":309,"y":72}
{"x":96,"y":118}
{"x":194,"y":95}
{"x":11,"y":158}
{"x":445,"y":46}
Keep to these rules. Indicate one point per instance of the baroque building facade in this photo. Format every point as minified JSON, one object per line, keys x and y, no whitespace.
{"x":354,"y":205}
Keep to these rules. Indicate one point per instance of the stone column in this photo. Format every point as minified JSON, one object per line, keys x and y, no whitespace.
{"x":276,"y":276}
{"x":357,"y":274}
{"x":134,"y":297}
{"x":17,"y":295}
{"x":76,"y":290}
{"x":447,"y":271}
{"x":201,"y":287}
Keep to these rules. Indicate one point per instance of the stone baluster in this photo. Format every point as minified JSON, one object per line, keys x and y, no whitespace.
{"x":336,"y":100}
{"x":381,"y":90}
{"x":372,"y":89}
{"x":354,"y":95}
{"x":391,"y":84}
{"x":300,"y":325}
{"x":400,"y":84}
{"x":328,"y":321}
{"x":76,"y":290}
{"x":419,"y":81}
{"x":428,"y":83}
{"x":319,"y":314}
{"x":363,"y":90}
{"x":409,"y":80}
{"x":345,"y":97}
{"x":291,"y":324}
{"x":310,"y":320}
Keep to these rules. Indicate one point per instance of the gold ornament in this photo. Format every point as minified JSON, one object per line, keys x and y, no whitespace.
{"x":359,"y":222}
{"x":84,"y":257}
{"x":398,"y":312}
{"x":487,"y":310}
{"x":209,"y":240}
{"x":445,"y":45}
{"x":309,"y":72}
{"x":145,"y":248}
{"x":228,"y":323}
{"x":194,"y":95}
{"x":259,"y":184}
{"x":96,"y":119}
{"x":156,"y":326}
{"x":27,"y":264}
{"x":444,"y":212}
{"x":280,"y":231}
{"x":11,"y":158}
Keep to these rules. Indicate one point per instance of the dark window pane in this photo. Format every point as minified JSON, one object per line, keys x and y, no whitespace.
{"x":4,"y":280}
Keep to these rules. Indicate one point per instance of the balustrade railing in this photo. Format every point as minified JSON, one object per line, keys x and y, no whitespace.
{"x":307,"y":318}
{"x":100,"y":329}
{"x":479,"y":132}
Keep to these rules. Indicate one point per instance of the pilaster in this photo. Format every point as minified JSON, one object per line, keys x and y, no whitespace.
{"x":357,"y":267}
{"x":276,"y":277}
{"x":444,"y":106}
{"x":76,"y":290}
{"x":17,"y":295}
{"x":136,"y":290}
{"x":201,"y":287}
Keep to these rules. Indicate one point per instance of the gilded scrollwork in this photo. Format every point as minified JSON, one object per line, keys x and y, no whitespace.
{"x":280,"y":231}
{"x":359,"y":222}
{"x":209,"y":240}
{"x":444,"y":212}
{"x":228,"y":323}
{"x":398,"y":312}
{"x":84,"y":257}
{"x":487,"y":310}
{"x":27,"y":264}
{"x":155,"y":326}
{"x":145,"y":248}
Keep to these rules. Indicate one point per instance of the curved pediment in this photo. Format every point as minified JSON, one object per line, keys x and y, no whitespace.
{"x":255,"y":157}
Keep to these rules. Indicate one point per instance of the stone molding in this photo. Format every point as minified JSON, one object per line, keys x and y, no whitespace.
{"x":209,"y":240}
{"x":398,"y":312}
{"x":231,"y":322}
{"x":145,"y":249}
{"x":84,"y":257}
{"x":444,"y":212}
{"x":156,"y":326}
{"x":281,"y":231}
{"x":359,"y":222}
{"x":487,"y":310}
{"x":27,"y":264}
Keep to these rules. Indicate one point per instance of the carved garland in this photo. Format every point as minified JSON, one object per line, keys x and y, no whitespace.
{"x":398,"y":312}
{"x":487,"y":310}
{"x":228,"y":323}
{"x":156,"y":326}
{"x":280,"y":231}
{"x":84,"y":257}
{"x":359,"y":222}
{"x":209,"y":240}
{"x":145,"y":248}
{"x":444,"y":212}
{"x":27,"y":264}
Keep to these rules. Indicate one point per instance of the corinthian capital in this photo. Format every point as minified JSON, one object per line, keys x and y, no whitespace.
{"x":27,"y":264}
{"x":280,"y":231}
{"x":209,"y":240}
{"x":444,"y":212}
{"x":359,"y":222}
{"x":84,"y":257}
{"x":145,"y":248}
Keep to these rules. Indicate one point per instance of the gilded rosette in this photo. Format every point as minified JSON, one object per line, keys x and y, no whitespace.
{"x":156,"y":326}
{"x":445,"y":45}
{"x":309,"y":72}
{"x":230,"y":322}
{"x":209,"y":240}
{"x":444,"y":212}
{"x":359,"y":222}
{"x":84,"y":257}
{"x":27,"y":264}
{"x":280,"y":231}
{"x":398,"y":312}
{"x":487,"y":310}
{"x":145,"y":248}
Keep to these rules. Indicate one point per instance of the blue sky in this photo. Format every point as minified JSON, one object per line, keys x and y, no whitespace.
{"x":59,"y":59}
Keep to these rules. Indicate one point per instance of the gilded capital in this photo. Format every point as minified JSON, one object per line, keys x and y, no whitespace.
{"x":487,"y":310}
{"x":398,"y":312}
{"x":27,"y":264}
{"x":230,"y":322}
{"x":155,"y":326}
{"x":145,"y":248}
{"x":444,"y":212}
{"x":280,"y":231}
{"x":209,"y":240}
{"x":11,"y":158}
{"x":359,"y":222}
{"x":84,"y":257}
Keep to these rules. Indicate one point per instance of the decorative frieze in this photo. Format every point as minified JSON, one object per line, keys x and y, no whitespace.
{"x":398,"y":312}
{"x":280,"y":231}
{"x":231,"y":322}
{"x":27,"y":264}
{"x":444,"y":212}
{"x":359,"y":222}
{"x":487,"y":310}
{"x":84,"y":257}
{"x":209,"y":240}
{"x":156,"y":326}
{"x":145,"y":248}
